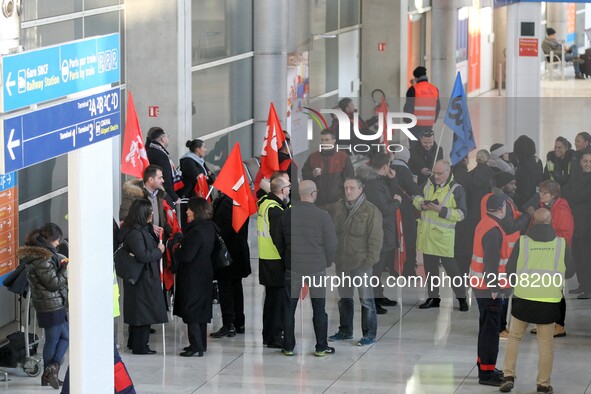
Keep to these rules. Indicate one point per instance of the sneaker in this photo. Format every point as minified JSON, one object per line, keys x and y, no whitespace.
{"x":534,"y":330}
{"x":322,"y":353}
{"x":365,"y":341}
{"x":288,"y":353}
{"x":339,"y":336}
{"x":544,"y":389}
{"x":504,"y":334}
{"x":507,"y":384}
{"x":559,"y":331}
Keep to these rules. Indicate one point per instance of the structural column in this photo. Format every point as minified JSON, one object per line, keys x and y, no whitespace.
{"x":270,"y":64}
{"x":556,"y":19}
{"x":90,"y":271}
{"x":443,"y":45}
{"x":523,"y":72}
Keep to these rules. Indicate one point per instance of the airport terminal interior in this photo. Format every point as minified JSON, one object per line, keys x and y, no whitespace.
{"x":209,"y":70}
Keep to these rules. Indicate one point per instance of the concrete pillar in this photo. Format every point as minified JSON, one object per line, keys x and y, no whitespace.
{"x":443,"y":45}
{"x":523,"y":76}
{"x":386,"y":22}
{"x":158,"y":66}
{"x":90,"y":272}
{"x":270,"y":64}
{"x":556,"y":19}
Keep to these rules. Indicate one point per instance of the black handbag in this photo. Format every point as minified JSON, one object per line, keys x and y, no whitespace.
{"x":220,"y":256}
{"x":16,"y":281}
{"x":126,"y":266}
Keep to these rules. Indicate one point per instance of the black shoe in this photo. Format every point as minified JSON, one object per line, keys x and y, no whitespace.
{"x":240,"y":330}
{"x":463,"y":305}
{"x":578,"y":290}
{"x":380,"y":310}
{"x":152,"y":331}
{"x":386,"y":302}
{"x":507,"y":384}
{"x":495,"y":380}
{"x":190,"y":353}
{"x":430,"y":303}
{"x":225,"y":331}
{"x":149,"y":351}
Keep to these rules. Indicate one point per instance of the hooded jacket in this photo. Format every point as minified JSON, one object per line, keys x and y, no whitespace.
{"x":134,"y":190}
{"x":48,"y":278}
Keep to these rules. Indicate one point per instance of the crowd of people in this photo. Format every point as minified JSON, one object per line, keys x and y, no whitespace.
{"x":370,"y":221}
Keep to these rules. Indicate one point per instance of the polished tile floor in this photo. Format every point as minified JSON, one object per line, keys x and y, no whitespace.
{"x":417,"y":351}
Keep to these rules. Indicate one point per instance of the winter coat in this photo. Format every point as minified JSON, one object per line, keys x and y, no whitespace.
{"x":420,"y":158}
{"x":559,"y":170}
{"x":237,"y":243}
{"x":562,"y":219}
{"x":194,"y":278}
{"x":575,"y":167}
{"x":406,"y":187}
{"x":378,"y":193}
{"x":271,"y":271}
{"x":162,"y":159}
{"x":48,"y":278}
{"x":134,"y":190}
{"x":361,"y":242}
{"x":528,"y":176}
{"x":497,"y":164}
{"x":191,"y":169}
{"x":336,"y":167}
{"x":307,"y":240}
{"x":143,"y":303}
{"x":464,"y":229}
{"x":578,"y":194}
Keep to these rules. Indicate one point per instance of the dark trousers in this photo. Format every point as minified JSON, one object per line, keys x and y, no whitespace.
{"x":581,"y":252}
{"x":386,"y":261}
{"x":197,"y":333}
{"x":138,"y":338}
{"x":504,"y":311}
{"x":232,"y":301}
{"x":488,"y":335}
{"x":410,"y":265}
{"x":452,"y":269}
{"x":275,"y":306}
{"x":293,"y":281}
{"x":562,"y":312}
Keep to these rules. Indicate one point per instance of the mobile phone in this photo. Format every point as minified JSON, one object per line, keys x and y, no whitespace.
{"x":435,"y":202}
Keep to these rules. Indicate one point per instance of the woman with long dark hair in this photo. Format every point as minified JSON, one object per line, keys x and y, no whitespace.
{"x":559,"y":162}
{"x":143,"y":303}
{"x":194,"y":275}
{"x":47,"y":274}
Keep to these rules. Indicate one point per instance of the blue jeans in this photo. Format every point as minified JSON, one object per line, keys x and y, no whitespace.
{"x":57,"y":339}
{"x":369,"y":318}
{"x":574,"y":54}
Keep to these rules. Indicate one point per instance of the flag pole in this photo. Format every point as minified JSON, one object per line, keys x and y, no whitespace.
{"x":438,"y":146}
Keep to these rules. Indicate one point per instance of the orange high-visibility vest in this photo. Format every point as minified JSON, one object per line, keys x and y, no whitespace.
{"x":513,"y":237}
{"x":426,"y":96}
{"x":477,"y":265}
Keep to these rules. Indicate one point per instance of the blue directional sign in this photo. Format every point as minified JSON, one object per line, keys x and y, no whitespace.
{"x":50,"y":132}
{"x":57,"y":71}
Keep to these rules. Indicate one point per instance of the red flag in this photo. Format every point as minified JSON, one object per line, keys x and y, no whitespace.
{"x":382,"y":110}
{"x":134,"y":158}
{"x":400,"y":257}
{"x":274,"y":139}
{"x":232,"y":182}
{"x":304,"y":292}
{"x":202,"y":188}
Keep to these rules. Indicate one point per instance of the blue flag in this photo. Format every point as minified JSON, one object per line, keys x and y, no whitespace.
{"x":457,"y":118}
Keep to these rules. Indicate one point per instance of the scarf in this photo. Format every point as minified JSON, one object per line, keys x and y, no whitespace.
{"x":353,"y":207}
{"x":176,"y":174}
{"x":198,"y":160}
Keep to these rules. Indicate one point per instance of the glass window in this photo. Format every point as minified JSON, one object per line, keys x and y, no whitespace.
{"x":37,"y":9}
{"x":222,"y":96}
{"x":349,"y":13}
{"x":326,"y":16}
{"x":53,"y":210}
{"x":96,"y":25}
{"x":42,"y":178}
{"x":220,"y":28}
{"x":91,"y":4}
{"x":324,"y":66}
{"x":55,"y":33}
{"x":219,"y":148}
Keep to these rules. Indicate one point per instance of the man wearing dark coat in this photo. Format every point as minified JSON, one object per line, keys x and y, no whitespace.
{"x":156,"y":144}
{"x":422,"y":156}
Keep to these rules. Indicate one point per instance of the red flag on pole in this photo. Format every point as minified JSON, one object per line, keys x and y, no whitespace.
{"x":400,"y":257}
{"x":134,"y":158}
{"x":274,"y":139}
{"x":232,"y":182}
{"x":382,"y":109}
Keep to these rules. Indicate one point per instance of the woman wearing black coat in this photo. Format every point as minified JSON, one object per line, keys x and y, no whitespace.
{"x":47,"y":275}
{"x":194,"y":275}
{"x":143,"y":303}
{"x":230,"y":278}
{"x":559,"y":162}
{"x":528,"y":173}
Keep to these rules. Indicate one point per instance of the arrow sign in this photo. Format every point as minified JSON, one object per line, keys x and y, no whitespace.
{"x":9,"y":237}
{"x":12,"y":144}
{"x":9,"y":84}
{"x":9,"y":209}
